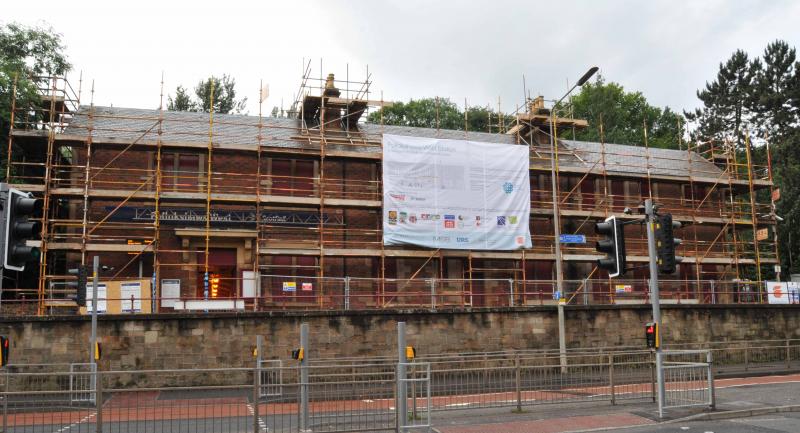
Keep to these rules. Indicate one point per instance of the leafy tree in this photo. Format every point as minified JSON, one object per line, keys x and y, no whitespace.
{"x":26,"y":54}
{"x":624,"y":115}
{"x":439,"y":113}
{"x":224,"y":97}
{"x":181,"y":102}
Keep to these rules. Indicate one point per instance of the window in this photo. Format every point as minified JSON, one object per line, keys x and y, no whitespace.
{"x":182,"y":171}
{"x":292,"y":177}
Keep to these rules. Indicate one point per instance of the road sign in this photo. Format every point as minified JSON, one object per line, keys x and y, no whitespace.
{"x":572,"y":239}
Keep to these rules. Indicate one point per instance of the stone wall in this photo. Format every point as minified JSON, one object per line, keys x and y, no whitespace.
{"x":226,"y":340}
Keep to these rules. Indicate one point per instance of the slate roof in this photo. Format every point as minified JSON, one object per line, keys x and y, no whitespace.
{"x":185,"y":127}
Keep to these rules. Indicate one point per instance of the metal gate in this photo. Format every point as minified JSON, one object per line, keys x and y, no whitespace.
{"x":688,"y":378}
{"x":417,"y":385}
{"x":271,"y":378}
{"x":82,"y":382}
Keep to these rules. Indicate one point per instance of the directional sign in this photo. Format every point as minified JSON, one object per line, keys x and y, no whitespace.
{"x":572,"y":239}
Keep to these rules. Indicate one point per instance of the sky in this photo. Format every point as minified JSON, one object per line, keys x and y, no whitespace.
{"x":476,"y":51}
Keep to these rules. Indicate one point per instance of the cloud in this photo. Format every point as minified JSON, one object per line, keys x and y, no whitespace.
{"x":413,"y":48}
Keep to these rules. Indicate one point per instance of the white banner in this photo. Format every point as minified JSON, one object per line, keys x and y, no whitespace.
{"x":455,"y":194}
{"x":777,"y":292}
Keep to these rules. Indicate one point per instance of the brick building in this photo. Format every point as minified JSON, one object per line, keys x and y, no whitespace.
{"x":295,"y":207}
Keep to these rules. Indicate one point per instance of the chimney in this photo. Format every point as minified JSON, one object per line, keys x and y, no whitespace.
{"x":333,"y":113}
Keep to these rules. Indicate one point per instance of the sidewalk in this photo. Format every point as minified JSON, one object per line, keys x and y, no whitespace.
{"x":737,"y":394}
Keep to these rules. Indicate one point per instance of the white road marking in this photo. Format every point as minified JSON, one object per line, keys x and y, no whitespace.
{"x":83,"y":420}
{"x":261,"y":422}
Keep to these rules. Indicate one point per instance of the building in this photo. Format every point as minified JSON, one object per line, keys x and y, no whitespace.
{"x":295,"y":207}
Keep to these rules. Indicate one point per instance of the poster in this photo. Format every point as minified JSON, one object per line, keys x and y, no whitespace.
{"x":455,"y":194}
{"x":131,"y":297}
{"x":170,"y":292}
{"x":777,"y":292}
{"x":307,"y":287}
{"x":794,"y":292}
{"x":289,"y":286}
{"x":101,"y":297}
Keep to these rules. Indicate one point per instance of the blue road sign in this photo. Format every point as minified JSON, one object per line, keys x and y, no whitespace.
{"x":572,"y":239}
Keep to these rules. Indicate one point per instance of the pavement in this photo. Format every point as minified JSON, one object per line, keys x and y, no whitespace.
{"x":754,"y":404}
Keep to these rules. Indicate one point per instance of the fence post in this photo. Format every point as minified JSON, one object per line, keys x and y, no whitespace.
{"x":257,"y":384}
{"x":98,"y":401}
{"x":5,"y":402}
{"x":611,"y":378}
{"x":346,"y":293}
{"x":652,"y":376}
{"x":518,"y":381}
{"x":400,"y":395}
{"x":433,"y":294}
{"x":788,"y":355}
{"x":511,"y":292}
{"x":746,"y":357}
{"x":304,"y":417}
{"x":711,"y":392}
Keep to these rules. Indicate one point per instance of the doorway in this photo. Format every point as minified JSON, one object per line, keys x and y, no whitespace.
{"x":222,"y":273}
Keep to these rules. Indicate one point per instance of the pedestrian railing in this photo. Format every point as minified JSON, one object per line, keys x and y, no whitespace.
{"x":688,"y":379}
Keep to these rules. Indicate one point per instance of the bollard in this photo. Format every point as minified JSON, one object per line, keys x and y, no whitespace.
{"x":788,"y":355}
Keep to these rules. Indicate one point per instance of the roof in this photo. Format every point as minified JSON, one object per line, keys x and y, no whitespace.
{"x":128,"y":124}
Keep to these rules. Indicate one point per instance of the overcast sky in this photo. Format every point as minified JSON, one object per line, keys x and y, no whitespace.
{"x":414,"y":48}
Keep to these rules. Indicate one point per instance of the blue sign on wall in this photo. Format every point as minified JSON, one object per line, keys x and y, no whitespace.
{"x":572,"y":239}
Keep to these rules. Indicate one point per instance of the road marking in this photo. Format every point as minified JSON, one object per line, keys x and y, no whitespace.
{"x":261,"y":422}
{"x":84,"y":419}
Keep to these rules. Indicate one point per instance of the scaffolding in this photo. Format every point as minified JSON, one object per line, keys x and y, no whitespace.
{"x":298,"y":200}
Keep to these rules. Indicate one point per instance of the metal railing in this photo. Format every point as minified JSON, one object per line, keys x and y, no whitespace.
{"x":688,"y":379}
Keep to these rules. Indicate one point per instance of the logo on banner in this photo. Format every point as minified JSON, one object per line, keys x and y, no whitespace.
{"x":412,"y":218}
{"x":501,"y":221}
{"x":398,"y":197}
{"x":403,"y":217}
{"x":449,"y":221}
{"x":392,"y":217}
{"x":477,"y":220}
{"x":508,"y":187}
{"x":512,"y":219}
{"x":520,"y":240}
{"x":462,"y":239}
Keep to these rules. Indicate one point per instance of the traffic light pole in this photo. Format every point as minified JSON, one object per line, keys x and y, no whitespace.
{"x":95,"y":283}
{"x":655,"y":299}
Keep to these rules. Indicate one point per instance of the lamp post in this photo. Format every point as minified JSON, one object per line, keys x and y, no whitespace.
{"x":562,"y":341}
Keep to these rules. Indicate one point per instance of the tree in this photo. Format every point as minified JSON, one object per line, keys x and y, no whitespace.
{"x":224,"y":97}
{"x":728,"y":100}
{"x":181,"y":102}
{"x":773,"y":88}
{"x":438,"y":113}
{"x":26,"y":54}
{"x":624,"y":116}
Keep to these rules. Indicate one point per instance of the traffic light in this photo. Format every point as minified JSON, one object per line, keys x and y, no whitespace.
{"x":613,"y":245}
{"x":82,"y":272}
{"x":298,"y":354}
{"x":651,"y":335}
{"x":666,"y":243}
{"x":18,"y":229}
{"x":3,"y":350}
{"x":411,"y":353}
